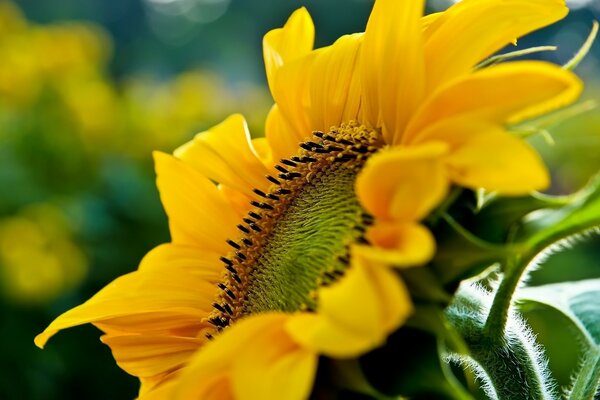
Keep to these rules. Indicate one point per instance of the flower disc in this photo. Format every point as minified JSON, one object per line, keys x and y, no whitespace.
{"x":298,"y":238}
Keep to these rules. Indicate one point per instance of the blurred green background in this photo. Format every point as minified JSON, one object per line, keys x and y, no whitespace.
{"x":88,"y":88}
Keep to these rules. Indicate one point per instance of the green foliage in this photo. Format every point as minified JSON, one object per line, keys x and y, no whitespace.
{"x":579,"y":303}
{"x":481,"y":330}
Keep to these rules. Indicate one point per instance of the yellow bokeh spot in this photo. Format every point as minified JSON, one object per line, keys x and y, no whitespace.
{"x":38,"y":259}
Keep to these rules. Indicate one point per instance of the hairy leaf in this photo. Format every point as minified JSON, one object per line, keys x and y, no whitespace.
{"x":580,"y":303}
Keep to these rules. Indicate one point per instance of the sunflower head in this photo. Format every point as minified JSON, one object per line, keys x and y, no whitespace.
{"x":297,"y":237}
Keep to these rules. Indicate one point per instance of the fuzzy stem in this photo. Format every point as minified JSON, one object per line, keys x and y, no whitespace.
{"x":495,"y":324}
{"x":510,"y":366}
{"x":586,"y":384}
{"x":516,"y":265}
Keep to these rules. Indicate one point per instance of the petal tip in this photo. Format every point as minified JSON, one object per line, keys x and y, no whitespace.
{"x":41,"y":339}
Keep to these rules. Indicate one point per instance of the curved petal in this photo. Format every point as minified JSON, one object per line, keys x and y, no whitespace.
{"x":287,"y":56}
{"x":403,"y":183}
{"x":282,"y":45}
{"x":347,"y":325}
{"x":428,"y":20}
{"x":199,"y":215}
{"x":263,"y":151}
{"x":156,"y":387}
{"x":254,"y":359}
{"x":146,"y":356}
{"x":274,"y":367}
{"x":398,"y":244}
{"x":316,"y":92}
{"x":225,"y":154}
{"x":142,"y":301}
{"x":505,"y":93}
{"x":239,"y":202}
{"x":281,"y":137}
{"x":170,"y":258}
{"x":392,"y":64}
{"x":498,"y":161}
{"x":334,"y":84}
{"x":217,"y":357}
{"x":291,"y":92}
{"x":472,"y":30}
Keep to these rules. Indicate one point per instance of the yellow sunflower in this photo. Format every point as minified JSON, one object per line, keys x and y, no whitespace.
{"x":291,"y":255}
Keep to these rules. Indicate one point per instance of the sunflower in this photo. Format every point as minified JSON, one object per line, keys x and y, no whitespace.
{"x":293,"y":253}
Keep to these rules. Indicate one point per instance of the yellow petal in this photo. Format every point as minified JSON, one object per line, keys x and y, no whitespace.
{"x":142,"y":301}
{"x":392,"y":64}
{"x":214,"y":362}
{"x":428,"y":20}
{"x":274,"y":367}
{"x":169,"y":258}
{"x":505,"y":93}
{"x":281,"y":136}
{"x":498,"y":161}
{"x":398,"y":244}
{"x":334,"y":84}
{"x":263,"y":150}
{"x":225,"y":154}
{"x":329,"y":338}
{"x":403,"y":183}
{"x":151,"y":355}
{"x":153,"y":387}
{"x":198,"y":213}
{"x":216,"y":387}
{"x":472,"y":30}
{"x":179,"y":322}
{"x":255,"y":358}
{"x":282,"y":45}
{"x":454,"y":131}
{"x":291,"y":92}
{"x":346,"y":325}
{"x":316,"y":92}
{"x":239,"y":202}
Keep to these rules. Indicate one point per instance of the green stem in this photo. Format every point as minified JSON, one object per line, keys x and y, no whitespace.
{"x":508,"y":249}
{"x":515,"y":266}
{"x":509,"y":364}
{"x":585,"y":386}
{"x":584,"y":50}
{"x":507,"y":56}
{"x":495,"y":324}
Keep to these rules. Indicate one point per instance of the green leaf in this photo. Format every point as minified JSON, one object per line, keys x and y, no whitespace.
{"x":580,"y":303}
{"x":579,"y":214}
